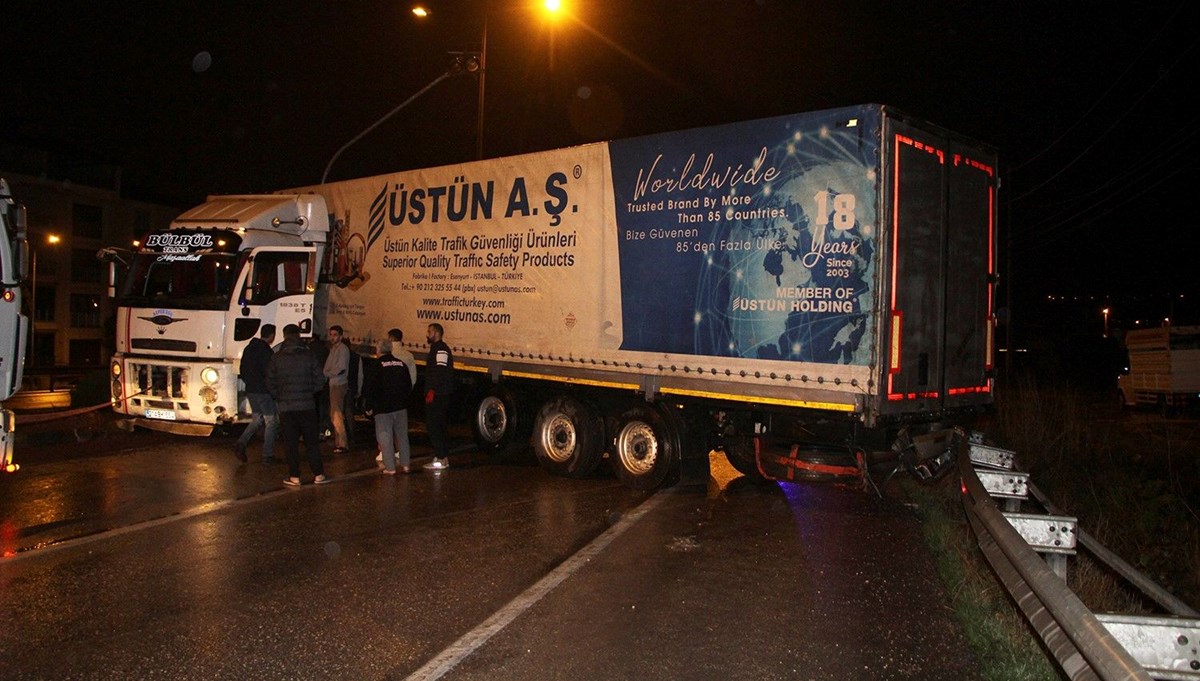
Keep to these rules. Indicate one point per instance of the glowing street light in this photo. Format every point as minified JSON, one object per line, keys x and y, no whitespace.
{"x":51,"y":239}
{"x":550,"y":7}
{"x":1105,"y":312}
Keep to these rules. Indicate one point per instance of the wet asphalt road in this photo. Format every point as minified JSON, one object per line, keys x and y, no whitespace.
{"x":175,"y":562}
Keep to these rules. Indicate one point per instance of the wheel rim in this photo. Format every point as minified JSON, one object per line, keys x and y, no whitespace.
{"x":637,"y":447}
{"x":491,"y":419}
{"x":559,"y":438}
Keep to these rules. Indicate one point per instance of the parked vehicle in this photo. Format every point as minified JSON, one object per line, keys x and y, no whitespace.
{"x":14,"y":322}
{"x":1163,"y":369}
{"x":754,"y":287}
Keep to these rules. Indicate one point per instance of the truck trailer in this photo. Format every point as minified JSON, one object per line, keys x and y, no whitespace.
{"x":785,"y":290}
{"x":1163,"y":369}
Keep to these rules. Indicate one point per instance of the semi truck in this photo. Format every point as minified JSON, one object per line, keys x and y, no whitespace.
{"x":1163,"y":369}
{"x":785,"y":290}
{"x":14,"y":322}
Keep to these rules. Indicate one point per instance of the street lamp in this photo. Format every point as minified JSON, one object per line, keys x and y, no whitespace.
{"x":386,"y":116}
{"x":51,"y":239}
{"x":550,"y":7}
{"x":1105,"y":312}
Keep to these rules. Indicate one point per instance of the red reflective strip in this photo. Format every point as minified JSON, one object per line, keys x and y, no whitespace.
{"x":971,"y":389}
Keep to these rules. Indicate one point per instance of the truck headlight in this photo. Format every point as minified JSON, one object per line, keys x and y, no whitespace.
{"x":116,"y":370}
{"x":209,"y":375}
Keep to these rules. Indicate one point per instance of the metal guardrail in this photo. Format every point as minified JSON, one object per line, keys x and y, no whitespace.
{"x":1086,"y":645}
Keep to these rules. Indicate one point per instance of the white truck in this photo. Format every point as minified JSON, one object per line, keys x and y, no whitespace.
{"x":1163,"y":369}
{"x":766,"y":288}
{"x":14,"y":323}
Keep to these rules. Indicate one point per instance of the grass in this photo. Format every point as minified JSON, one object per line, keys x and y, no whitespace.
{"x":1132,"y":480}
{"x":1005,"y":646}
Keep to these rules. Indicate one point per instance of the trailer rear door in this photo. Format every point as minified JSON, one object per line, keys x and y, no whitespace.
{"x":941,"y":204}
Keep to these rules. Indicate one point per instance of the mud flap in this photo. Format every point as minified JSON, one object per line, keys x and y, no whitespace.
{"x":813,"y":464}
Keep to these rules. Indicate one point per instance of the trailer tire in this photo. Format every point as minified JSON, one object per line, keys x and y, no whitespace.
{"x":568,"y":438}
{"x":739,"y":453}
{"x":646,"y":447}
{"x":501,"y":423}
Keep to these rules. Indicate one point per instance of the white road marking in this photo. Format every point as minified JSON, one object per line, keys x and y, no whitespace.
{"x":468,"y":643}
{"x":202,"y":509}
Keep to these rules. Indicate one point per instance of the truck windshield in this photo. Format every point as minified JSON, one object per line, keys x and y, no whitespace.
{"x":191,"y":270}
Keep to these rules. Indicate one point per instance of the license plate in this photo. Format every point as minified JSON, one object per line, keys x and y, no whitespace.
{"x":162,"y":414}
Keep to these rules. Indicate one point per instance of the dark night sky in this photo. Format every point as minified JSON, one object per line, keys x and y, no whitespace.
{"x":1085,"y":102}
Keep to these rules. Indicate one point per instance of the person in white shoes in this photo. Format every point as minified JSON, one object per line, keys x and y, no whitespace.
{"x":388,"y":387}
{"x":439,"y":385}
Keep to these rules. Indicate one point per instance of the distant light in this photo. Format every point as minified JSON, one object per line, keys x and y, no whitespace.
{"x":137,"y":244}
{"x":420,"y":11}
{"x":53,"y":239}
{"x":552,"y":5}
{"x":852,"y":123}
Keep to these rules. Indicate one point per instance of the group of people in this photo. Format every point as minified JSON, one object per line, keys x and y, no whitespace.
{"x":284,"y":385}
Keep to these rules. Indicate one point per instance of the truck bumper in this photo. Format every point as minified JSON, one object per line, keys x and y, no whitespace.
{"x":176,"y":427}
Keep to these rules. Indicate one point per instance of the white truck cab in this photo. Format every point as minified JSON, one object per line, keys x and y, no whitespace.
{"x":198,"y":291}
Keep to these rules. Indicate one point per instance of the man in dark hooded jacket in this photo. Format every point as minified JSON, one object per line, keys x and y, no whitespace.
{"x":293,"y":376}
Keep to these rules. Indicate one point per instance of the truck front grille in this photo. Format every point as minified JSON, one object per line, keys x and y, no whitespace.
{"x":155,"y":380}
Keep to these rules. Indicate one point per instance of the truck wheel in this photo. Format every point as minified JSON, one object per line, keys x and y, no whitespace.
{"x":501,"y":425}
{"x":645,"y":448}
{"x":567,"y":438}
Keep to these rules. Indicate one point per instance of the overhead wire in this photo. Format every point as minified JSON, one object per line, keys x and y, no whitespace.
{"x":1110,"y":128}
{"x":1150,"y":166}
{"x":1079,"y":120}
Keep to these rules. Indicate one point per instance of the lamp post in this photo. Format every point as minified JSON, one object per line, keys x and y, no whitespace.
{"x":386,"y":116}
{"x":51,"y":239}
{"x":550,"y":7}
{"x":482,"y":77}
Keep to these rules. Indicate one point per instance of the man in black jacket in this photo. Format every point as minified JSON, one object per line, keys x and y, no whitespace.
{"x":388,"y":386}
{"x":439,"y":384}
{"x":253,"y":371}
{"x":293,"y":376}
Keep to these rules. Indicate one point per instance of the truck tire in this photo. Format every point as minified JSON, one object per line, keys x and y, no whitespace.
{"x":501,"y":423}
{"x":646,"y":447}
{"x":568,"y":437}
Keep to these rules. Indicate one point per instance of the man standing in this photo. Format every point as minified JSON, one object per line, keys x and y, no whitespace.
{"x":253,"y":371}
{"x":387,"y":389}
{"x":439,"y":384}
{"x":293,"y":375}
{"x":337,"y":371}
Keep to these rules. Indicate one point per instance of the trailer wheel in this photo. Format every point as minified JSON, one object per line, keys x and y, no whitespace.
{"x":739,"y":452}
{"x":501,"y":424}
{"x":645,"y":448}
{"x":568,"y":438}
